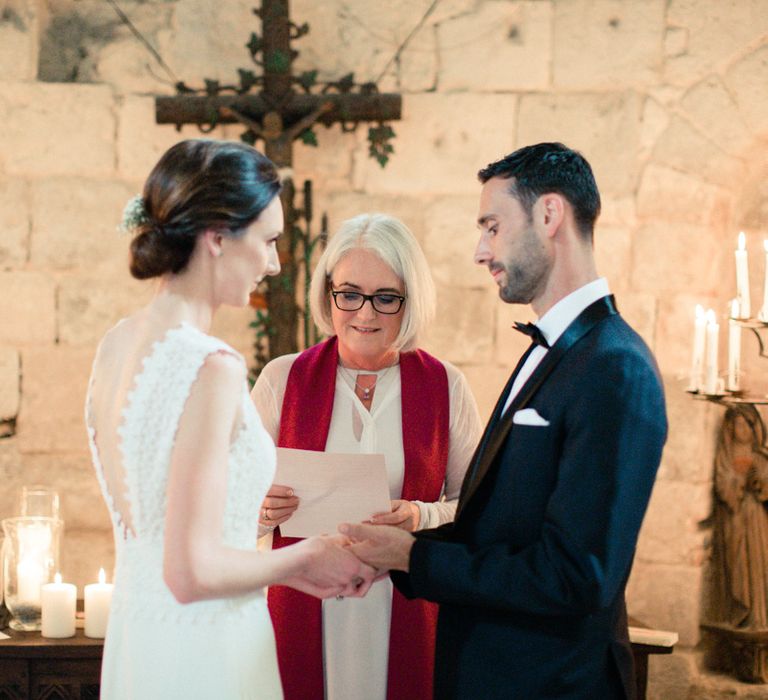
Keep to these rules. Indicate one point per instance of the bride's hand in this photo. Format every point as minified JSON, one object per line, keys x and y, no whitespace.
{"x":331,"y":569}
{"x":279,"y":505}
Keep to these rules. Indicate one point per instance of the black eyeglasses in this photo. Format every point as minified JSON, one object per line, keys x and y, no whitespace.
{"x":353,"y":301}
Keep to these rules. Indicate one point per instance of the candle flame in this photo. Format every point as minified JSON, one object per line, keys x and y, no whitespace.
{"x":742,"y":241}
{"x":57,"y":578}
{"x":102,"y":576}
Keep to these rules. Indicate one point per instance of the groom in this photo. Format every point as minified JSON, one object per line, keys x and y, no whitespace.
{"x":530,"y":577}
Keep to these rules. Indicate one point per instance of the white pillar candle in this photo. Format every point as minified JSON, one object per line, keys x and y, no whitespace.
{"x":734,"y":349}
{"x":59,"y":602}
{"x":764,"y":310}
{"x":742,"y":277}
{"x":713,"y":336}
{"x":30,"y":576}
{"x":697,"y":363}
{"x":98,"y":597}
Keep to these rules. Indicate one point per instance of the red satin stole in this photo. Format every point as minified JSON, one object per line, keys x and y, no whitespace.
{"x":304,"y":423}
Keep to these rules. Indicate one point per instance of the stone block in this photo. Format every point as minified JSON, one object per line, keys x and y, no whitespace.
{"x":487,"y":383}
{"x":465,"y":333}
{"x":717,"y":31}
{"x":662,"y":260}
{"x":57,"y":129}
{"x":10,"y":382}
{"x":746,"y":80}
{"x":607,"y":44}
{"x":28,"y":308}
{"x":667,"y":597}
{"x":653,"y":123}
{"x":670,"y":532}
{"x":500,"y":46}
{"x":450,"y":241}
{"x":55,"y":384}
{"x":616,"y":212}
{"x":690,"y":450}
{"x":11,"y":476}
{"x":19,"y":39}
{"x":669,"y":195}
{"x":681,"y":147}
{"x":329,"y":164}
{"x":89,"y":306}
{"x":192,"y":45}
{"x":641,"y":312}
{"x":14,"y":223}
{"x":366,"y":40}
{"x":711,"y":107}
{"x":671,"y":676}
{"x":450,"y":137}
{"x":74,"y":225}
{"x":613,"y":254}
{"x":141,"y":142}
{"x":604,"y":127}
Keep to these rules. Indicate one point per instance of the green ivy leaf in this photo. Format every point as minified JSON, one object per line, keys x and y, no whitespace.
{"x":346,"y":83}
{"x":254,"y":44}
{"x":212,"y":87}
{"x":277,"y":62}
{"x":247,"y":79}
{"x":308,"y":137}
{"x":307,"y":79}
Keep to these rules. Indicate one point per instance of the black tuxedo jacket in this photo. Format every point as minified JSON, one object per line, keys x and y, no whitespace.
{"x":530,"y":577}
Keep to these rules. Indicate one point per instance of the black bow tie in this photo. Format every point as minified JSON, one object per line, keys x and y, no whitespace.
{"x":532,"y":330}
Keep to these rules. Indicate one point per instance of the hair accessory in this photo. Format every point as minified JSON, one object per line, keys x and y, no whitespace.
{"x":134,"y":215}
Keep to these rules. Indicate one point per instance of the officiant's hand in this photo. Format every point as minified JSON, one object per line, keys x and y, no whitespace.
{"x":383,"y":547}
{"x":279,"y":505}
{"x":404,"y":515}
{"x":331,"y":569}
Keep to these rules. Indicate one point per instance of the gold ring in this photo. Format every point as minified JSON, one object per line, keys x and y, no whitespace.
{"x":266,"y":514}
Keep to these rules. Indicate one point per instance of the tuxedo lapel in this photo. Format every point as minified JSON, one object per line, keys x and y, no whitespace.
{"x":496,"y":432}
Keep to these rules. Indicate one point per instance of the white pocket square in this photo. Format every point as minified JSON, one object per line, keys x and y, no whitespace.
{"x":528,"y":416}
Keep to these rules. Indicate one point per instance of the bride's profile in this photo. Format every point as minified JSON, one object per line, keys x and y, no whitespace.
{"x":180,"y":453}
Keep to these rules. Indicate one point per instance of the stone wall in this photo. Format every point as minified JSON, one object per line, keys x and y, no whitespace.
{"x":666,"y":98}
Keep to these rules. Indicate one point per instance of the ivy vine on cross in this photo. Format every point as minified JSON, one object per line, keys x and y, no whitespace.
{"x":275,"y":112}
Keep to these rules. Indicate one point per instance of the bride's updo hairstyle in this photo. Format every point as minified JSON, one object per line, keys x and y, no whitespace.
{"x":198,"y":185}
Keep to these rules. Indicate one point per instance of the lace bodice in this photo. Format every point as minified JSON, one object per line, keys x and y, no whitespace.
{"x":150,"y":420}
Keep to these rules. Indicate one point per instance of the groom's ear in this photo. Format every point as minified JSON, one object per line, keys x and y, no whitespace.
{"x":212,"y":242}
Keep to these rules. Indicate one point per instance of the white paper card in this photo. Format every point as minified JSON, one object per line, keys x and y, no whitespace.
{"x":334,"y":488}
{"x":4,"y":636}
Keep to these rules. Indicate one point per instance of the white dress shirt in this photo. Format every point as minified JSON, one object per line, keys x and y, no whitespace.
{"x":553,"y":324}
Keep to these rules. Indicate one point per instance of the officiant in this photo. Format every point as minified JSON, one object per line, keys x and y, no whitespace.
{"x":368,"y":389}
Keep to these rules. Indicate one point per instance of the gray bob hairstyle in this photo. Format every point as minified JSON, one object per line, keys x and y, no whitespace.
{"x":390,"y":239}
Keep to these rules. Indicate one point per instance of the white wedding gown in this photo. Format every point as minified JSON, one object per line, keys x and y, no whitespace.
{"x":155,"y":646}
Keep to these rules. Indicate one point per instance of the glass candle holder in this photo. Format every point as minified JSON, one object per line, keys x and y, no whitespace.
{"x":30,"y":559}
{"x":39,"y":501}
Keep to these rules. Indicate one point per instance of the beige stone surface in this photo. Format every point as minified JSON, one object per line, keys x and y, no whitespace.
{"x":89,"y":306}
{"x":676,"y":507}
{"x":710,"y":106}
{"x":140,"y":141}
{"x":641,"y":312}
{"x":683,"y":147}
{"x":445,"y":140}
{"x":450,"y":240}
{"x":466,"y":334}
{"x":613,"y":255}
{"x":662,"y":260}
{"x":654,"y":121}
{"x":605,"y":127}
{"x":487,"y":383}
{"x":500,"y":46}
{"x":718,"y":32}
{"x":666,"y":596}
{"x":607,"y":44}
{"x":57,"y":129}
{"x":74,"y":224}
{"x":666,"y":194}
{"x":328,"y":165}
{"x":14,"y":223}
{"x":28,"y":308}
{"x":690,"y":450}
{"x":10,"y":382}
{"x":19,"y":38}
{"x":55,"y":384}
{"x":231,"y":324}
{"x":84,"y":552}
{"x":745,"y":80}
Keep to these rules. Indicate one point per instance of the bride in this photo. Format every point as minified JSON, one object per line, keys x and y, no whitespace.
{"x":182,"y":458}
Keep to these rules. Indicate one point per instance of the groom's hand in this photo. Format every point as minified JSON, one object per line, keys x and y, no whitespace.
{"x":382,"y":546}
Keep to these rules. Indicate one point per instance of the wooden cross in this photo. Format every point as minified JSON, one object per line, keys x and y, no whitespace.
{"x":279,"y":115}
